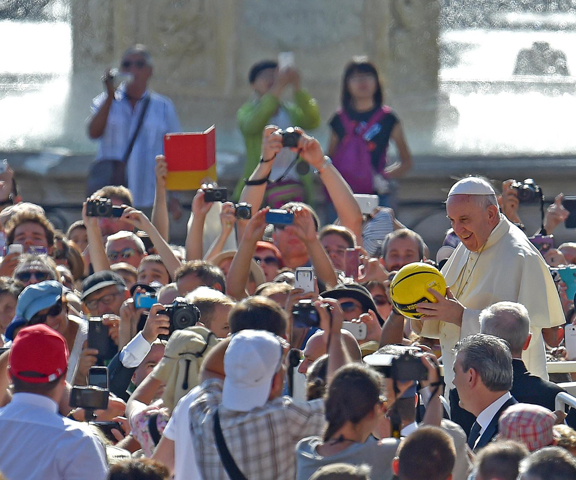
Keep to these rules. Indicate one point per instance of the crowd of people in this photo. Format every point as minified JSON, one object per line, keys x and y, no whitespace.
{"x":128,"y":357}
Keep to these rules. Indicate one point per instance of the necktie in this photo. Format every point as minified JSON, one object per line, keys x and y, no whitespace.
{"x":474,"y":434}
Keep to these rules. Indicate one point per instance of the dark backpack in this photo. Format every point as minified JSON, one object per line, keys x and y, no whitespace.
{"x":352,"y":158}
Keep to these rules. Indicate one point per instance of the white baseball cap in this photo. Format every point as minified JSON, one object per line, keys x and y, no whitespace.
{"x":250,"y":363}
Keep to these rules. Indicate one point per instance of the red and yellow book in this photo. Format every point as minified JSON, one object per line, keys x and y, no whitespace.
{"x":191,"y":158}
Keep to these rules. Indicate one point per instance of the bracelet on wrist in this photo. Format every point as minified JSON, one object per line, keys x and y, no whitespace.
{"x":266,"y":161}
{"x":260,"y":181}
{"x":327,"y":163}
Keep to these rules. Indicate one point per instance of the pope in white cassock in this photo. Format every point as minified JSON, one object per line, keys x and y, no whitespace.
{"x":494,"y":262}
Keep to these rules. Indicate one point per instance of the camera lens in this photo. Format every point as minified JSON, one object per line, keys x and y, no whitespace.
{"x":184,"y":316}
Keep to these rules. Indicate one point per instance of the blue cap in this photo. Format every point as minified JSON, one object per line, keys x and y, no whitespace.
{"x":37,"y":297}
{"x":17,"y":322}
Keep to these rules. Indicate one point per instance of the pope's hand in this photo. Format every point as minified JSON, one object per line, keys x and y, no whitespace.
{"x":447,"y":309}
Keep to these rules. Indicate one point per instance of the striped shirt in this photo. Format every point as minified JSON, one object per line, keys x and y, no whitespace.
{"x":262,"y":441}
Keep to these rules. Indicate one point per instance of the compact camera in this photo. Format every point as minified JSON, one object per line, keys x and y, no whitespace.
{"x":103,"y":208}
{"x":243,"y":211}
{"x":145,"y":300}
{"x":216,"y":194}
{"x":182,"y":315}
{"x":276,"y":216}
{"x":528,"y":191}
{"x":290,"y":137}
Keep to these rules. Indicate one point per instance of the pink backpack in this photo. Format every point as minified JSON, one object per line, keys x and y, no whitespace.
{"x":352,"y":159}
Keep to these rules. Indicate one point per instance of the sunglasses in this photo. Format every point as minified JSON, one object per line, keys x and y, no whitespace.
{"x":106,"y":300}
{"x":267,"y":260}
{"x":54,"y":311}
{"x":136,"y":63}
{"x":126,"y":253}
{"x":348,"y":307}
{"x":27,"y":276}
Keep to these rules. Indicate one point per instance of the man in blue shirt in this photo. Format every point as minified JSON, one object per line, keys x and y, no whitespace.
{"x":115,"y":116}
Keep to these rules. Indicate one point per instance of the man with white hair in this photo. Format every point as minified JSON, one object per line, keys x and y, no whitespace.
{"x":494,"y":262}
{"x":125,"y":247}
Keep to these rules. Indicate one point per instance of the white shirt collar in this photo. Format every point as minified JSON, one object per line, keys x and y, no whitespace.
{"x":488,"y":413}
{"x":33,"y":399}
{"x":408,"y":429}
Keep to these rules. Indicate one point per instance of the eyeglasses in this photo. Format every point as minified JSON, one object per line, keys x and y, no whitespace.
{"x":126,"y":253}
{"x":39,"y":276}
{"x":54,"y":311}
{"x":348,"y":307}
{"x":137,"y":63}
{"x":267,"y":260}
{"x":106,"y":300}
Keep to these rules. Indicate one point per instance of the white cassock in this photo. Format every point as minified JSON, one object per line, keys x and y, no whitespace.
{"x":509,"y":268}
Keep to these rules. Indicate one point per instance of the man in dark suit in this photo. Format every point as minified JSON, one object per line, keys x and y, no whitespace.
{"x":483,"y":378}
{"x":510,"y":321}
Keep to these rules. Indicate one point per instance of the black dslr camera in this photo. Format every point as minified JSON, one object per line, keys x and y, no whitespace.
{"x":103,"y":208}
{"x":243,"y":211}
{"x":402,"y":367}
{"x":182,"y":315}
{"x":528,"y":191}
{"x":290,"y":137}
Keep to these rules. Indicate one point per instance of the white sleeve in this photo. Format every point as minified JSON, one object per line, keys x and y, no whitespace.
{"x":132,"y":354}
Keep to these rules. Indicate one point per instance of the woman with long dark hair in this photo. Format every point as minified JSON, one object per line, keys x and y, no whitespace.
{"x":361,"y":131}
{"x":354,"y":406}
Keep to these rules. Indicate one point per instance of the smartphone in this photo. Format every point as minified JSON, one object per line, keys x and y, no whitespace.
{"x":285,"y":60}
{"x":570,"y":341}
{"x":99,"y":339}
{"x":542,"y":242}
{"x":3,"y":166}
{"x":98,"y":376}
{"x":359,"y":330}
{"x":352,"y":260}
{"x":279,"y":217}
{"x":304,"y":279}
{"x":14,"y":248}
{"x":570,"y":205}
{"x":367,"y":203}
{"x":216,"y":194}
{"x":568,"y":276}
{"x":37,"y":250}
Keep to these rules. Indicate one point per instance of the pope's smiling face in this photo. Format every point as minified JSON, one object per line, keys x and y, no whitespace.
{"x":472,"y":222}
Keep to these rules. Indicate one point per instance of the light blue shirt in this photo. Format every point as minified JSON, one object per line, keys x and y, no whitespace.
{"x":38,"y":443}
{"x":159,"y":120}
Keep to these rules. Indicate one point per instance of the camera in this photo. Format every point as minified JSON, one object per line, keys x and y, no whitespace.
{"x":103,"y":208}
{"x":305,"y":314}
{"x":409,"y":366}
{"x":290,"y":137}
{"x":243,"y":211}
{"x":277,"y":216}
{"x":528,"y":191}
{"x":91,"y":397}
{"x":216,"y":194}
{"x":182,"y":315}
{"x":144,"y":300}
{"x":403,"y":367}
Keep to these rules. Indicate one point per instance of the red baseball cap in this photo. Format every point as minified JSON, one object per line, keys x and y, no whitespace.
{"x":39,"y":354}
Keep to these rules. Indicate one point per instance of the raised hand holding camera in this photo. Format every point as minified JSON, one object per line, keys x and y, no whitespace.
{"x":157,"y":324}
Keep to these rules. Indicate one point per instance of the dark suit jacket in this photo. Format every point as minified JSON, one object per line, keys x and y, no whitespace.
{"x":492,"y":429}
{"x":528,"y":388}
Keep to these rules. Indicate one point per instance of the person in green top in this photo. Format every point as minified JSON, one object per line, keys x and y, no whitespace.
{"x":265,"y":108}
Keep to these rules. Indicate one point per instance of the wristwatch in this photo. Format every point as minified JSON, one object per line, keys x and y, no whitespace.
{"x":327,"y":163}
